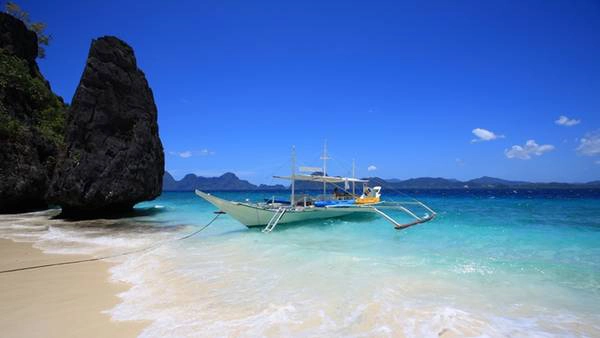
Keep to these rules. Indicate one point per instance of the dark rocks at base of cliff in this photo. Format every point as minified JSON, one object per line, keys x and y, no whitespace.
{"x":31,"y":121}
{"x":113,"y":156}
{"x":25,"y":166}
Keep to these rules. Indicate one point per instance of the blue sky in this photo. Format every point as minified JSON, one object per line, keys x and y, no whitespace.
{"x":400,"y":86}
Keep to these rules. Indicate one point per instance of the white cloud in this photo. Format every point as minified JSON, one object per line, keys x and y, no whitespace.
{"x":459,"y":161}
{"x":185,"y":154}
{"x":372,"y":168}
{"x":484,"y":135}
{"x":530,"y":148}
{"x":567,"y":122}
{"x":205,"y":152}
{"x":182,"y":154}
{"x":589,"y":145}
{"x":597,"y":162}
{"x":190,"y":153}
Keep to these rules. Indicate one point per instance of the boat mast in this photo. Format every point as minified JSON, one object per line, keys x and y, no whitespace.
{"x":293,"y":176}
{"x":324,"y":158}
{"x":353,"y":183}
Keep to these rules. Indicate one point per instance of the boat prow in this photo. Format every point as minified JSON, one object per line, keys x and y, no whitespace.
{"x":244,"y":213}
{"x":217,"y":202}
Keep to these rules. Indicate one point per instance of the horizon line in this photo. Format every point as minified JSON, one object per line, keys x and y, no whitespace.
{"x":399,"y":179}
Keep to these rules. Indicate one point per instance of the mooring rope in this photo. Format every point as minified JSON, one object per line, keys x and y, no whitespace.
{"x":148,"y":248}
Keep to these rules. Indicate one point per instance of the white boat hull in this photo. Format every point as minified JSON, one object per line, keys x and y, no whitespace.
{"x":255,"y":216}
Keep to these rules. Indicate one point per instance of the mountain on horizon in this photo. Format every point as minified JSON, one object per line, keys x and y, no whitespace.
{"x":229,"y":182}
{"x":492,"y":181}
{"x":484,"y":182}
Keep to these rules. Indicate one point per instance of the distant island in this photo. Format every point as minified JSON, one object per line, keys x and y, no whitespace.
{"x":227,"y":181}
{"x":230,"y":182}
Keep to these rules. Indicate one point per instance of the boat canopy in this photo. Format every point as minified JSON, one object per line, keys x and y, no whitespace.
{"x":320,"y":178}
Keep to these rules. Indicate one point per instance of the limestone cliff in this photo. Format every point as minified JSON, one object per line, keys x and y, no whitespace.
{"x":31,"y":120}
{"x":113,"y":156}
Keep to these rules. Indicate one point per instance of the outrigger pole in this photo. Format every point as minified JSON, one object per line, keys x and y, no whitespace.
{"x":399,"y":206}
{"x":353,"y":176}
{"x":400,"y":226}
{"x":292,"y":197}
{"x":325,"y":158}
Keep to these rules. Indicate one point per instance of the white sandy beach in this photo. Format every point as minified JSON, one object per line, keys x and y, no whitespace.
{"x":59,"y":301}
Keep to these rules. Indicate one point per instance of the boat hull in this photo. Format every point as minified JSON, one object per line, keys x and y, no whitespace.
{"x":254,"y":216}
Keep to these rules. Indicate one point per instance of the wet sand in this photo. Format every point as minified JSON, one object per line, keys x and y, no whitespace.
{"x":58,"y":301}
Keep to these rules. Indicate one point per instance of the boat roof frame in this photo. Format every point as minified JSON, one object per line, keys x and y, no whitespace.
{"x":322,"y":178}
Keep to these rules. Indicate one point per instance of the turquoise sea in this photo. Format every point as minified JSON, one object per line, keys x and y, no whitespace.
{"x":494,"y":263}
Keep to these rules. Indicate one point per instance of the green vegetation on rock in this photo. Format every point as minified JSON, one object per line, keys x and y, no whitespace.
{"x":32,"y":102}
{"x":32,"y":118}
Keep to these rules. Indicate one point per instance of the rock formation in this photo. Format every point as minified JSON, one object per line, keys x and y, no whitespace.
{"x":31,"y":120}
{"x":113,"y":157}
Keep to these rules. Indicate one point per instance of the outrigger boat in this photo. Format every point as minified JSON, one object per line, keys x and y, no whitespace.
{"x":272,"y":212}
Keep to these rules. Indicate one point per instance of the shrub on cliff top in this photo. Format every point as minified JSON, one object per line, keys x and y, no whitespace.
{"x":38,"y":27}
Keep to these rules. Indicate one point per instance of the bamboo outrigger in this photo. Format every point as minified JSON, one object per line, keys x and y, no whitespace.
{"x":272,"y":212}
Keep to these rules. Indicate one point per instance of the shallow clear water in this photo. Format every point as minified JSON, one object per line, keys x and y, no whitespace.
{"x":493,"y":264}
